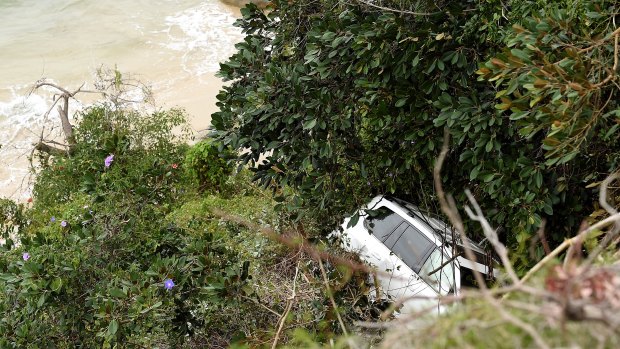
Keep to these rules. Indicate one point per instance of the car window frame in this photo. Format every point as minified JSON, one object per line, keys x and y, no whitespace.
{"x":404,"y":220}
{"x":372,"y":230}
{"x":424,"y":255}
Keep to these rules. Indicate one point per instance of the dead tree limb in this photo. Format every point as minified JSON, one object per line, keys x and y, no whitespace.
{"x":63,"y":110}
{"x":378,"y":6}
{"x":448,"y":206}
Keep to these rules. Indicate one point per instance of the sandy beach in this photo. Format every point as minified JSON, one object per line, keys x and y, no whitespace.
{"x":175,"y":50}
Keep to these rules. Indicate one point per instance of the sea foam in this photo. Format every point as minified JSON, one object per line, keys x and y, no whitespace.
{"x":205,"y":35}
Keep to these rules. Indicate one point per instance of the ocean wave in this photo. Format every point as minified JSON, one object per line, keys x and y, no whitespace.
{"x":206,"y":36}
{"x":23,"y":120}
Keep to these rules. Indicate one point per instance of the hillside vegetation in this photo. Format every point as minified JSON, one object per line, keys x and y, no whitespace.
{"x":133,"y":239}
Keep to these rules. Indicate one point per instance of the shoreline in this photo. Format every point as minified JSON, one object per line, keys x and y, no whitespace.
{"x":174,"y":80}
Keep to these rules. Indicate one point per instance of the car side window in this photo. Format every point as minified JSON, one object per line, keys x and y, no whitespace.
{"x":438,"y":272}
{"x":382,"y":223}
{"x":412,"y":246}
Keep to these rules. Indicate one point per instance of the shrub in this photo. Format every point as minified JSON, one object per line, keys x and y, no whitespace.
{"x":96,"y":249}
{"x":206,"y":164}
{"x":119,"y":250}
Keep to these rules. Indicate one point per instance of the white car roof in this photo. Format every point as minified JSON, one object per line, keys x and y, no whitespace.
{"x":432,"y":226}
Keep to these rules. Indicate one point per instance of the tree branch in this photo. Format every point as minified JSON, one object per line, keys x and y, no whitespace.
{"x":383,"y":8}
{"x":605,"y":222}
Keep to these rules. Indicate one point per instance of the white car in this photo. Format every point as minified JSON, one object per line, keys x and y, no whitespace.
{"x":417,"y":256}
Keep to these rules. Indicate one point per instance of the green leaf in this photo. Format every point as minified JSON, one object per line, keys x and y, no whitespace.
{"x":154,"y":306}
{"x":401,"y":102}
{"x":612,"y":130}
{"x":594,"y":15}
{"x":354,"y":219}
{"x":512,"y":86}
{"x":56,"y":284}
{"x":520,"y":54}
{"x":474,"y":173}
{"x":112,"y":328}
{"x":488,"y":177}
{"x":118,"y":293}
{"x":416,"y":60}
{"x":543,"y":26}
{"x":539,"y":179}
{"x":568,"y":157}
{"x":431,"y":67}
{"x":519,"y":115}
{"x":328,"y":36}
{"x":489,"y":146}
{"x":309,"y":124}
{"x":41,"y":301}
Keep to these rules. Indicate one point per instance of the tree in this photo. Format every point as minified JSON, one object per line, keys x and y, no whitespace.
{"x":347,"y":100}
{"x":116,"y":91}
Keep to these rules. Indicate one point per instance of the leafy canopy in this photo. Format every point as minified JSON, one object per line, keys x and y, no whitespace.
{"x":345,"y":101}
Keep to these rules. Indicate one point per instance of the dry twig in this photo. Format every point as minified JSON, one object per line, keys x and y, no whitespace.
{"x":289,"y":304}
{"x":451,"y":211}
{"x":384,"y":8}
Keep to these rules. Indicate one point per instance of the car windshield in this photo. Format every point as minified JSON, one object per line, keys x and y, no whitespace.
{"x":441,"y":280}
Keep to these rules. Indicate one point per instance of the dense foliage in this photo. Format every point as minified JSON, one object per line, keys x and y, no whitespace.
{"x":119,"y":248}
{"x":94,"y":258}
{"x":346,"y":100}
{"x":136,"y":239}
{"x":206,"y":164}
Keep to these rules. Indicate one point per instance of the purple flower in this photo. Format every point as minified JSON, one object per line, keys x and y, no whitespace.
{"x":26,"y":256}
{"x":63,"y":224}
{"x":53,"y":219}
{"x":108,"y":160}
{"x":168,"y":284}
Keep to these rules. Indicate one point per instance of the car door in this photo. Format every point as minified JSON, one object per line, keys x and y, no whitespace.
{"x":394,"y":257}
{"x":367,"y":238}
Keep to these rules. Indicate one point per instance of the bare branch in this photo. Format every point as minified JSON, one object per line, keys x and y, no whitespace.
{"x":383,"y":8}
{"x":450,"y":208}
{"x":602,"y":199}
{"x":491,"y":236}
{"x":289,"y":305}
{"x":605,"y":222}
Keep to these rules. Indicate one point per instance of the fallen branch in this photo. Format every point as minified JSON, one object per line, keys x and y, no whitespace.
{"x":292,"y":242}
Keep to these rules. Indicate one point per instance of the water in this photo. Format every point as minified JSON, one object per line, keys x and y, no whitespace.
{"x":173,"y":45}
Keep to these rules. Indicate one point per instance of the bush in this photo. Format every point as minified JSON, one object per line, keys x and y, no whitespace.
{"x":353,"y":101}
{"x":206,"y":164}
{"x":113,"y":222}
{"x":96,"y":248}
